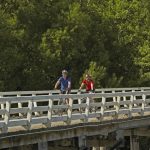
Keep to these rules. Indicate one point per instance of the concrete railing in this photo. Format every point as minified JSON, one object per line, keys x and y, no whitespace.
{"x":27,"y":108}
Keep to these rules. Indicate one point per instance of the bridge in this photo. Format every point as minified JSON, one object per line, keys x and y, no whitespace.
{"x":100,"y":120}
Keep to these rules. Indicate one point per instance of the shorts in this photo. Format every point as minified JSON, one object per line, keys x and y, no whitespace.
{"x":65,"y":92}
{"x":63,"y":101}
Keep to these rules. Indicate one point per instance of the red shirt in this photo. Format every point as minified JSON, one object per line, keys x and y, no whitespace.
{"x":89,"y":84}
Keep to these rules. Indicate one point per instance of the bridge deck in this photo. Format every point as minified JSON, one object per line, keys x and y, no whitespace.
{"x":28,"y":117}
{"x":27,"y":110}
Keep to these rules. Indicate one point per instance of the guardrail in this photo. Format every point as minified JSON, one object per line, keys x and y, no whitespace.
{"x":26,"y":108}
{"x":74,"y":91}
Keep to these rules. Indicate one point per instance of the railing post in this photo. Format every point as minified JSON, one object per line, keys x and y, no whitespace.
{"x":69,"y":111}
{"x":114,"y":99}
{"x":50,"y":108}
{"x":29,"y":114}
{"x":124,"y":99}
{"x":103,"y":107}
{"x":19,"y":106}
{"x":2,"y":107}
{"x":35,"y":105}
{"x":79,"y":102}
{"x":87,"y":109}
{"x":130,"y":106}
{"x":134,"y":98}
{"x":117,"y":106}
{"x":143,"y":104}
{"x":7,"y":116}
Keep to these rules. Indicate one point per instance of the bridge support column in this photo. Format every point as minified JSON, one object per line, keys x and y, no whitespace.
{"x":99,"y":148}
{"x":134,"y":142}
{"x":120,"y":138}
{"x":102,"y":148}
{"x":43,"y":146}
{"x":82,"y":142}
{"x":95,"y":148}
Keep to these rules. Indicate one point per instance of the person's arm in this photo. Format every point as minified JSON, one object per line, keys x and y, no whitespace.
{"x":82,"y":85}
{"x":69,"y":84}
{"x":57,"y":84}
{"x":92,"y":86}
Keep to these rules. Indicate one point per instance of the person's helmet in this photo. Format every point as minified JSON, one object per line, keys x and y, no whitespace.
{"x":64,"y":72}
{"x":88,"y":76}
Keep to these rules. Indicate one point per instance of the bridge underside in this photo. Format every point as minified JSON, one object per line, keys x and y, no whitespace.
{"x":96,"y":134}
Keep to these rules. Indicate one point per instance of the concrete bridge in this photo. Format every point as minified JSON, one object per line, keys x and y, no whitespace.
{"x":100,"y":120}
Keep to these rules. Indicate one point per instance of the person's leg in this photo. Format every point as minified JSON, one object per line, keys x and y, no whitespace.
{"x":92,"y":109}
{"x":61,"y":102}
{"x":67,"y":99}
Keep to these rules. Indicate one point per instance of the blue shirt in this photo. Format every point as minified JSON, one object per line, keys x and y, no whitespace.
{"x":64,"y":83}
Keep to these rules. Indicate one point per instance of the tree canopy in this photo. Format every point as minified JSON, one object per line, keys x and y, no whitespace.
{"x":109,"y":39}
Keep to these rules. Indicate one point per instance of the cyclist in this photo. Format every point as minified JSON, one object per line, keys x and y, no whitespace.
{"x":89,"y":83}
{"x":65,"y":84}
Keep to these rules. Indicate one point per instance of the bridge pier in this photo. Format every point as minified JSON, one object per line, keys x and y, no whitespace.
{"x":99,"y":148}
{"x":102,"y":148}
{"x":82,"y":142}
{"x":134,"y":142}
{"x":43,"y":145}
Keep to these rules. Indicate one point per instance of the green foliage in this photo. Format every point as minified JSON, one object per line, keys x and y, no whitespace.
{"x":114,"y":82}
{"x":97,"y":72}
{"x":109,"y":39}
{"x":143,"y":60}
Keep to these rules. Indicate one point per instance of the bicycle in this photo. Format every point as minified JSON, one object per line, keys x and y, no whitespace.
{"x":84,"y":100}
{"x":63,"y":101}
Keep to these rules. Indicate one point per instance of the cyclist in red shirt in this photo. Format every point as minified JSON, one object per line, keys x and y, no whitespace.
{"x":89,"y":83}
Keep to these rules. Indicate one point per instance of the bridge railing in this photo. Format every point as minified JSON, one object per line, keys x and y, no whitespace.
{"x":53,"y":92}
{"x":49,"y":108}
{"x":74,"y":91}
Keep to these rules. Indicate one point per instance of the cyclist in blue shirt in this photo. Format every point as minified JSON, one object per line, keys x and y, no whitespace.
{"x":65,"y":85}
{"x":64,"y":82}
